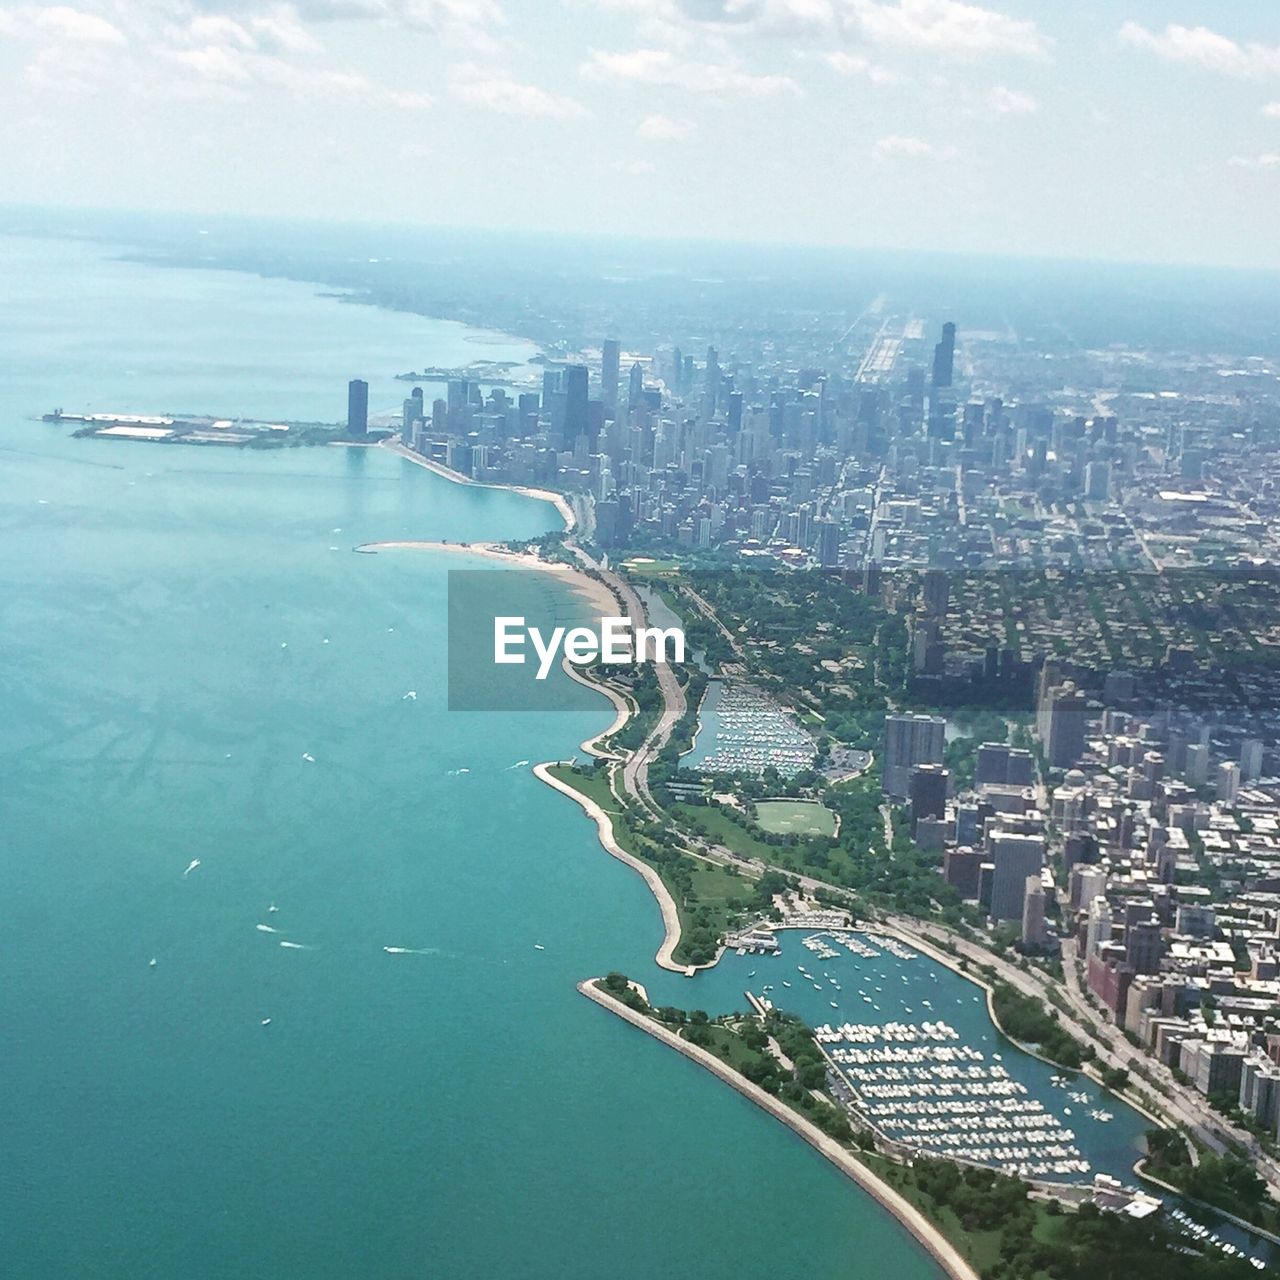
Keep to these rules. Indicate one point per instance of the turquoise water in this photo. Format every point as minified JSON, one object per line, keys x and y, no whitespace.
{"x":163,"y":673}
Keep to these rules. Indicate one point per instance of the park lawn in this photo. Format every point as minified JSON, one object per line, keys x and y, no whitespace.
{"x":594,"y":785}
{"x":724,"y":831}
{"x":719,"y":884}
{"x":727,"y":1045}
{"x":795,"y":817}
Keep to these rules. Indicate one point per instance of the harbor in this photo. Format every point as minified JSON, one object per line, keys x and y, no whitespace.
{"x":742,"y":729}
{"x":913,"y":1054}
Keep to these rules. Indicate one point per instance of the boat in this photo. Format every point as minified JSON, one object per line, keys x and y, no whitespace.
{"x":153,"y":963}
{"x":537,"y":946}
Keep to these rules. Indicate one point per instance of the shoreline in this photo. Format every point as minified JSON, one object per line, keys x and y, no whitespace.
{"x":557,"y":500}
{"x":598,"y":595}
{"x":594,"y":592}
{"x":604,"y":833}
{"x":928,"y":1236}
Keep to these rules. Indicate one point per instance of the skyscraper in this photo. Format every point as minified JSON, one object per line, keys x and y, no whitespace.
{"x":1098,"y":930}
{"x":357,"y":407}
{"x":576,"y":422}
{"x":928,"y":793}
{"x":610,"y":355}
{"x":910,"y":740}
{"x":1034,"y":933}
{"x":635,"y":385}
{"x":1015,"y":858}
{"x":1142,"y":946}
{"x":1064,"y":719}
{"x":944,"y":356}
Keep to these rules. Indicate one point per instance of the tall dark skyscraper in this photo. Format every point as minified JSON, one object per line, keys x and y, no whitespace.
{"x":635,"y":385}
{"x":575,"y":405}
{"x":610,"y":355}
{"x":944,"y":355}
{"x":357,"y":407}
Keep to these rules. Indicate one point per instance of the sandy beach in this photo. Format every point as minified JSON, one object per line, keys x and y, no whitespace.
{"x":592,"y":590}
{"x":938,"y":1246}
{"x":603,"y":602}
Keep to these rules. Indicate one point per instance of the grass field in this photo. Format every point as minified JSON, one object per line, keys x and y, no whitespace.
{"x":723,"y":831}
{"x":593,"y":784}
{"x":795,"y":817}
{"x":645,"y":567}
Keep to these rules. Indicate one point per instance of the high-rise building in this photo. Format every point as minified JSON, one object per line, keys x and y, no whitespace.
{"x":357,"y":407}
{"x":944,"y":356}
{"x":828,"y":543}
{"x":961,"y":868}
{"x":610,"y":356}
{"x":909,"y":740}
{"x":1196,"y":769}
{"x":1142,"y":946}
{"x":937,"y":592}
{"x":1034,"y":933}
{"x":927,"y":791}
{"x":1250,"y":759}
{"x":1228,"y":781}
{"x":1063,"y":718}
{"x":576,"y":413}
{"x":1098,"y":930}
{"x":1015,"y":857}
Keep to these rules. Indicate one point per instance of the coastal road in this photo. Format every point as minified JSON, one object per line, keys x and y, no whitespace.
{"x":635,"y":769}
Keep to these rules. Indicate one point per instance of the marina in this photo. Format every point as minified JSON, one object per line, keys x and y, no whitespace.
{"x":742,"y":729}
{"x":914,"y":1049}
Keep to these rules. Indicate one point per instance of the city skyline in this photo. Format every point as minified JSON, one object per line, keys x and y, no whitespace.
{"x":1138,"y":132}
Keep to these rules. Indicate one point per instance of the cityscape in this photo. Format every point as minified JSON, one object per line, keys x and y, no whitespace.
{"x":639,"y":638}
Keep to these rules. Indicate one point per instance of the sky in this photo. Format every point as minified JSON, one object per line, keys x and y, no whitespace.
{"x":1144,"y":130}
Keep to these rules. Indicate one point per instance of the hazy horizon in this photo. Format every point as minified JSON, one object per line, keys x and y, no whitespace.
{"x":1145,"y":132}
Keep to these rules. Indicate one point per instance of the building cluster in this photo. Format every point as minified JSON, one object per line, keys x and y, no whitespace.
{"x":1150,"y":839}
{"x":884,"y":449}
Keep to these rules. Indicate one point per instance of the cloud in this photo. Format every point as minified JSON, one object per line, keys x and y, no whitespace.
{"x":1267,"y":160}
{"x":1010,"y":102}
{"x":1272,"y":110}
{"x":1205,"y":49}
{"x":855,"y":64}
{"x":60,"y":22}
{"x":899,"y":146}
{"x":495,"y":91}
{"x":946,"y":26}
{"x":664,"y":129}
{"x":662,"y":68}
{"x":260,"y":51}
{"x":443,"y":16}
